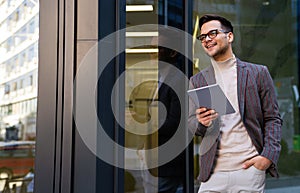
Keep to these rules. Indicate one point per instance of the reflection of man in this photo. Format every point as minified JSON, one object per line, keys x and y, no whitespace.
{"x":170,"y":177}
{"x":239,"y":148}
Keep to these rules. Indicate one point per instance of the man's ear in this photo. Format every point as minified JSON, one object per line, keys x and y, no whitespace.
{"x":230,"y":37}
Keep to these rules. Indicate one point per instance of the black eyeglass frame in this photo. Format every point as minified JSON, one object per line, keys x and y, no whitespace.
{"x":211,"y":34}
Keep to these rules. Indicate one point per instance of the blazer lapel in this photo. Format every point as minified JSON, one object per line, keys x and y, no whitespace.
{"x":242,"y":75}
{"x":209,"y":75}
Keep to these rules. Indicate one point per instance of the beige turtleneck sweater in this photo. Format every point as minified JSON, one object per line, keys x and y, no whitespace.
{"x":235,"y":145}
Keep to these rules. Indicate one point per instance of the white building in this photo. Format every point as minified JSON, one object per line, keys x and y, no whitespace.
{"x":19,"y":26}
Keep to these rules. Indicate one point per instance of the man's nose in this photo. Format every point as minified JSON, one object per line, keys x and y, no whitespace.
{"x":207,"y":38}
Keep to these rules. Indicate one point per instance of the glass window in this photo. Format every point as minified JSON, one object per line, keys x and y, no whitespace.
{"x":31,"y":54}
{"x":14,"y":86}
{"x":22,"y":59}
{"x":21,"y":83}
{"x":266,"y":32}
{"x":9,"y":44}
{"x":32,"y":26}
{"x":31,"y":80}
{"x":7,"y":88}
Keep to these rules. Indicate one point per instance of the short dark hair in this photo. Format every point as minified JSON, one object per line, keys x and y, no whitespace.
{"x":209,"y":17}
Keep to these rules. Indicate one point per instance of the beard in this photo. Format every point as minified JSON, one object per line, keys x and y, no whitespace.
{"x":220,"y":52}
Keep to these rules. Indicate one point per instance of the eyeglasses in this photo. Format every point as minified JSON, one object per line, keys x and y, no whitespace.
{"x":211,"y":34}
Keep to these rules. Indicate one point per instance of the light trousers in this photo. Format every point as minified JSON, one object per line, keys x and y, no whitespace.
{"x":249,"y":180}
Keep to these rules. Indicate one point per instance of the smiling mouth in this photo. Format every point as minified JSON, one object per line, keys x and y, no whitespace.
{"x":209,"y":46}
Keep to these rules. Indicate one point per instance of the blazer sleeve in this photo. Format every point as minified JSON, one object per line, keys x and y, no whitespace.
{"x":271,"y":117}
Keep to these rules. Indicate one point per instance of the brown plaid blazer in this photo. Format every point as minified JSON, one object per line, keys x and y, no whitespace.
{"x":259,"y":111}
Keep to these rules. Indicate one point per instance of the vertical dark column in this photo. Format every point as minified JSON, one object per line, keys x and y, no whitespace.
{"x":111,"y":18}
{"x":189,"y":72}
{"x":107,"y":25}
{"x":119,"y":180}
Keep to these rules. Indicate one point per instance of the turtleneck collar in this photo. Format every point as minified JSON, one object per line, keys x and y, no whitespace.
{"x":226,"y":64}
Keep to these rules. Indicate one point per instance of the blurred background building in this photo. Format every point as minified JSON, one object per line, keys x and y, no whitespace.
{"x":19,"y":28}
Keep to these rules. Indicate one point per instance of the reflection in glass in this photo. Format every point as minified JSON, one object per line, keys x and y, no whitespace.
{"x":153,"y":108}
{"x":141,"y":85}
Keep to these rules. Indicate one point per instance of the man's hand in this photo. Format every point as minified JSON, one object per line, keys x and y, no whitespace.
{"x":206,"y":116}
{"x":259,"y":162}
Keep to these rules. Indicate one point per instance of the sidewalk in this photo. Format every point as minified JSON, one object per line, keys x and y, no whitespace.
{"x":291,"y":189}
{"x":283,"y":185}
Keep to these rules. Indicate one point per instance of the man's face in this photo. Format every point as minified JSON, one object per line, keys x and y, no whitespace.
{"x":218,"y":47}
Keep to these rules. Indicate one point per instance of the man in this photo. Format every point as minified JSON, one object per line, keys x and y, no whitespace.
{"x":237,"y":149}
{"x":169,"y":177}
